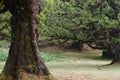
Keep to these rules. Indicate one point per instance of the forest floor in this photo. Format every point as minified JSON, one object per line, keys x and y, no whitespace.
{"x":76,"y":65}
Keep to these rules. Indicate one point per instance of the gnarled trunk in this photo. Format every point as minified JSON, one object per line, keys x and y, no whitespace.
{"x":116,"y":52}
{"x":24,"y":58}
{"x":107,"y":54}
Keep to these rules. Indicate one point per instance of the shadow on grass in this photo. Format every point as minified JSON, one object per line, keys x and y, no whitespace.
{"x":100,"y":58}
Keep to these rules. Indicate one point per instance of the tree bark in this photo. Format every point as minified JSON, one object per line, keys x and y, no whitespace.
{"x":116,"y":52}
{"x":24,"y":59}
{"x":78,"y":45}
{"x":107,"y":55}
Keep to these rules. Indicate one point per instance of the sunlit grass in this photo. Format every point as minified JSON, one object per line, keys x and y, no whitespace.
{"x":76,"y":64}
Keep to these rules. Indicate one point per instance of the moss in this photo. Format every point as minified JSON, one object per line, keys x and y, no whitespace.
{"x":30,"y":66}
{"x":27,"y":76}
{"x":2,"y":76}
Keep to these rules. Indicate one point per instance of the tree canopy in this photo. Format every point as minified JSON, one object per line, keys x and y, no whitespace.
{"x":87,"y":21}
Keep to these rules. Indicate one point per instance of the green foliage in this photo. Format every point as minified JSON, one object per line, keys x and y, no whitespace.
{"x":116,"y":40}
{"x":82,"y":20}
{"x":5,"y":29}
{"x":71,"y":20}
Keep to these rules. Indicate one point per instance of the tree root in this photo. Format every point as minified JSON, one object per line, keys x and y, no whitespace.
{"x":27,"y":76}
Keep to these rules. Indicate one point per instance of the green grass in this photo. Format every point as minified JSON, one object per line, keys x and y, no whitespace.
{"x":47,"y":57}
{"x":1,"y":65}
{"x":3,"y":54}
{"x":74,"y":64}
{"x":4,"y":43}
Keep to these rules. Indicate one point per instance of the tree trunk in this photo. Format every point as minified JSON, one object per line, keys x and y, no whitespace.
{"x":78,"y":45}
{"x":24,"y":61}
{"x":116,"y":52}
{"x":107,"y":55}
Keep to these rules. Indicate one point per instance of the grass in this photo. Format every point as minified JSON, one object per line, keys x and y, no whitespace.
{"x":1,"y":65}
{"x":53,"y":57}
{"x":3,"y":54}
{"x":46,"y":56}
{"x":4,"y":43}
{"x":75,"y":65}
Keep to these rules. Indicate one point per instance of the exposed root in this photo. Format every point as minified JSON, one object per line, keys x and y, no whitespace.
{"x":28,"y":76}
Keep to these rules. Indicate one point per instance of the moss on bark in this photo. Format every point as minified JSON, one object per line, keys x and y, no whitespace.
{"x":27,"y":76}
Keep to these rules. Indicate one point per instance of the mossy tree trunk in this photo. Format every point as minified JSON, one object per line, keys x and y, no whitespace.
{"x":24,"y":55}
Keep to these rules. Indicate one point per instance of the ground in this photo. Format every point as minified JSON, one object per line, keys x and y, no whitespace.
{"x":78,"y":65}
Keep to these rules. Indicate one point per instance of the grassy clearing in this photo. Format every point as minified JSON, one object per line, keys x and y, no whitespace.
{"x":84,"y":66}
{"x":69,"y":65}
{"x":48,"y":57}
{"x":84,"y":69}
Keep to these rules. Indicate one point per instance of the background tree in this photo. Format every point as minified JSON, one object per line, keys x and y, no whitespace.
{"x":94,"y":22}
